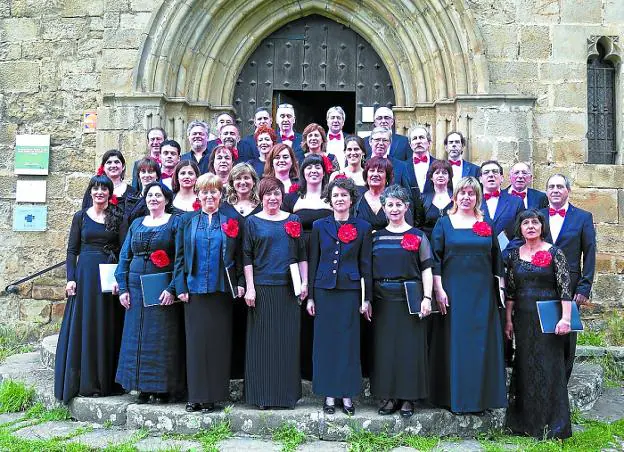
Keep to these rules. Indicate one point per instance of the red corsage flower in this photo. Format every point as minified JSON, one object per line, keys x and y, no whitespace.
{"x":230,"y":228}
{"x":113,"y":200}
{"x":541,"y":259}
{"x":100,"y":170}
{"x":328,"y":165}
{"x":347,"y":233}
{"x":294,"y":188}
{"x":196,"y":204}
{"x":481,"y":228}
{"x":340,"y":176}
{"x":410,"y":242}
{"x":234,"y":152}
{"x":159,"y":258}
{"x":293,"y":229}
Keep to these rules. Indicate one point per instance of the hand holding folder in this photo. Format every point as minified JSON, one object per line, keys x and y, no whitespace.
{"x":549,"y":313}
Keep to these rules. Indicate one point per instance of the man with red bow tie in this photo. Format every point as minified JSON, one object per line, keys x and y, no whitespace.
{"x":285,"y":119}
{"x":262,"y":117}
{"x":454,"y":143}
{"x":227,"y":131}
{"x":420,"y":160}
{"x":572,"y":230}
{"x":521,"y":177}
{"x":335,"y":136}
{"x":499,"y":207}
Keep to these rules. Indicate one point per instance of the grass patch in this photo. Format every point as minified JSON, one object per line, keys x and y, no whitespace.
{"x":422,"y":443}
{"x":15,"y":396}
{"x":289,"y":436}
{"x":613,"y":372}
{"x":208,"y":438}
{"x":614,"y":332}
{"x":42,"y":414}
{"x":365,"y":441}
{"x":23,"y":338}
{"x":594,"y":338}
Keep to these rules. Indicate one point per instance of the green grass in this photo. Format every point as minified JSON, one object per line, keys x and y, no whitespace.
{"x":208,"y":438}
{"x":613,"y":372}
{"x":588,"y":337}
{"x":15,"y":396}
{"x":289,"y":436}
{"x":42,"y":414}
{"x":364,"y":441}
{"x":614,"y":332}
{"x":23,"y":338}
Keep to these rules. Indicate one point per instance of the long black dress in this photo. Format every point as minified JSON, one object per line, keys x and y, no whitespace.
{"x":538,"y":396}
{"x":400,"y":369}
{"x":90,"y":336}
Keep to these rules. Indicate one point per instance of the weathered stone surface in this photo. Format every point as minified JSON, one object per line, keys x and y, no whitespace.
{"x":119,"y":58}
{"x":609,"y":263}
{"x":19,"y":76}
{"x":585,"y":385}
{"x":19,"y":29}
{"x":501,"y":40}
{"x":602,"y":203}
{"x":155,"y":443}
{"x":48,"y":292}
{"x":600,"y":176}
{"x":609,"y":238}
{"x":609,"y":407}
{"x":535,"y":42}
{"x":608,"y":290}
{"x":103,"y":409}
{"x":562,"y":72}
{"x":76,"y":8}
{"x":567,"y":151}
{"x":49,"y":430}
{"x":35,"y":310}
{"x":581,"y":12}
{"x":100,"y":438}
{"x":248,"y":444}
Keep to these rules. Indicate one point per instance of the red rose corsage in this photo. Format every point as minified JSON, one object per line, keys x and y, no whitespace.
{"x":541,"y":259}
{"x":328,"y":165}
{"x":196,"y":204}
{"x":159,"y":258}
{"x":481,"y":228}
{"x":294,"y":188}
{"x":347,"y":233}
{"x":293,"y":229}
{"x":113,"y":200}
{"x":100,"y":170}
{"x":234,"y":153}
{"x":410,"y":242}
{"x":340,"y":176}
{"x":230,"y":228}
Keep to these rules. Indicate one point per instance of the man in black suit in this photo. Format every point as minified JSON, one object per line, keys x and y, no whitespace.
{"x":230,"y":138}
{"x":285,"y":119}
{"x":420,"y":159}
{"x":335,"y":136}
{"x":155,"y":138}
{"x":521,"y":177}
{"x":400,"y":150}
{"x":262,"y":117}
{"x":455,"y":143}
{"x":572,"y":230}
{"x":197,"y":133}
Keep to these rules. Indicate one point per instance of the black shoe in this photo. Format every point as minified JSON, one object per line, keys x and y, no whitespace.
{"x":142,"y":398}
{"x":348,"y":410}
{"x":328,"y":409}
{"x":409,"y":412}
{"x":207,"y":407}
{"x":262,"y":407}
{"x":160,"y":398}
{"x":477,"y":413}
{"x":191,"y":407}
{"x":389,"y":407}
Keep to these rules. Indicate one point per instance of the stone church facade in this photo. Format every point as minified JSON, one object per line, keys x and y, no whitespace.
{"x":534,"y":80}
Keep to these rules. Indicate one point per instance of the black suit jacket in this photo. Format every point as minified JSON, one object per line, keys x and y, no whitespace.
{"x":470,"y":169}
{"x":535,"y":199}
{"x":203,"y":162}
{"x":505,"y":216}
{"x":399,"y":149}
{"x":245,"y":151}
{"x":411,"y":176}
{"x":577,"y":240}
{"x":185,"y":250}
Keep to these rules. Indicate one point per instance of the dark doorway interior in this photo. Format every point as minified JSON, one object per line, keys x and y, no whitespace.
{"x":312,"y":106}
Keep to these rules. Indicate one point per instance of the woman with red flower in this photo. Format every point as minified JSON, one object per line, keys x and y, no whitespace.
{"x":401,"y":253}
{"x":314,"y":142}
{"x":265,"y":138}
{"x":183,"y":181}
{"x":271,"y":243}
{"x":309,"y":205}
{"x":152,"y":347}
{"x":538,"y":395}
{"x":207,"y":260}
{"x":281,"y":164}
{"x":466,"y":353}
{"x":340,"y":256}
{"x":88,"y":343}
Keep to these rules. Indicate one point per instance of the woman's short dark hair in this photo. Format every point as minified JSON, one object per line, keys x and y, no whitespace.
{"x":346,"y":183}
{"x":441,"y":165}
{"x":379,"y":163}
{"x":167,"y":193}
{"x":527,"y":214}
{"x":149,"y":164}
{"x":268,"y":184}
{"x":113,"y":215}
{"x":395,"y":191}
{"x":175,"y":179}
{"x":311,"y":159}
{"x":115,"y":153}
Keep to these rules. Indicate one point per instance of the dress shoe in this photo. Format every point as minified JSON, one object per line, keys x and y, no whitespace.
{"x":207,"y":407}
{"x":348,"y":410}
{"x":328,"y":409}
{"x":389,"y":407}
{"x":262,"y":407}
{"x":191,"y":407}
{"x":160,"y":398}
{"x":142,"y":398}
{"x":409,"y":412}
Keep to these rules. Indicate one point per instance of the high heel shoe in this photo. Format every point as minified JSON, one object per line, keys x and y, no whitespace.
{"x":191,"y":407}
{"x":409,"y":412}
{"x":349,"y":410}
{"x":142,"y":398}
{"x":329,"y":409}
{"x":389,"y":407}
{"x":207,"y":407}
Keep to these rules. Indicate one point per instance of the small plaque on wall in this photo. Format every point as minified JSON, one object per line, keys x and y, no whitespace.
{"x":30,"y":218}
{"x":30,"y":191}
{"x":32,"y":154}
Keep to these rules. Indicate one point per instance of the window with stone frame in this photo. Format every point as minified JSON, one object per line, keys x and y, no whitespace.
{"x":602,"y":60}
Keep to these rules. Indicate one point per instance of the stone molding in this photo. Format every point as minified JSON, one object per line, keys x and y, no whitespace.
{"x":613,"y":50}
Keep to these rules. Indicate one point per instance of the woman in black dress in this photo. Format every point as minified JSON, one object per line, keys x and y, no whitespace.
{"x":90,"y":336}
{"x":114,"y":166}
{"x":183,"y":181}
{"x":265,"y":138}
{"x":538,"y":395}
{"x":437,"y":203}
{"x":354,"y":153}
{"x":282,"y":165}
{"x":401,"y":253}
{"x":207,"y":248}
{"x":340,"y":256}
{"x":309,"y":205}
{"x":272,"y":242}
{"x":148,"y":171}
{"x":378,"y":174}
{"x":152,"y":348}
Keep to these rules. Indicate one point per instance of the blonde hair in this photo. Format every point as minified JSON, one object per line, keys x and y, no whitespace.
{"x":239,"y":169}
{"x":208,"y":181}
{"x":468,"y":182}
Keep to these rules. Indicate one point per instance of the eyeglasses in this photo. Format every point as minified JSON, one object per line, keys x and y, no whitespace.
{"x":380,"y":140}
{"x":490,"y":171}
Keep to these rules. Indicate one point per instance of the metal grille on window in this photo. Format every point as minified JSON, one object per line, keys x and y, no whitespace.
{"x":601,"y":108}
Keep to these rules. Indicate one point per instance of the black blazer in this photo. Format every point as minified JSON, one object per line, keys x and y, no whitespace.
{"x":535,"y":199}
{"x":577,"y":240}
{"x":399,"y":149}
{"x":505,"y":216}
{"x":470,"y":169}
{"x":185,"y":250}
{"x":334,"y":264}
{"x":203,"y":162}
{"x":246,"y":151}
{"x":411,"y":176}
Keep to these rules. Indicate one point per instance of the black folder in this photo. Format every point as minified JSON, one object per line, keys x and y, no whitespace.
{"x":549,"y":312}
{"x":152,"y":286}
{"x":414,"y":296}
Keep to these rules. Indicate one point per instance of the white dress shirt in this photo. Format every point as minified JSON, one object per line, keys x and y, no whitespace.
{"x":556,"y":223}
{"x":492,"y":204}
{"x":457,"y":173}
{"x":336,"y":147}
{"x":420,"y":169}
{"x":526,"y":195}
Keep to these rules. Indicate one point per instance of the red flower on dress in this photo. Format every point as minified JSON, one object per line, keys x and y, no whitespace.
{"x":113,"y":200}
{"x":328,"y":165}
{"x":410,"y":242}
{"x":347,"y":233}
{"x":196,"y":204}
{"x":160,"y":259}
{"x":293,"y":229}
{"x":100,"y":170}
{"x":541,"y":259}
{"x":230,"y":228}
{"x":481,"y":228}
{"x":294,"y":188}
{"x":340,"y":176}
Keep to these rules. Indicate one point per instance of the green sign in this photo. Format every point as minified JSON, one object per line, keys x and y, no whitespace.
{"x":32,"y":154}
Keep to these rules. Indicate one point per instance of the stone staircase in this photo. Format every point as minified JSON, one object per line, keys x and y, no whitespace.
{"x":36,"y":369}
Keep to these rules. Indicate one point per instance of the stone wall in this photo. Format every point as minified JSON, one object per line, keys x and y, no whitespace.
{"x":63,"y":57}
